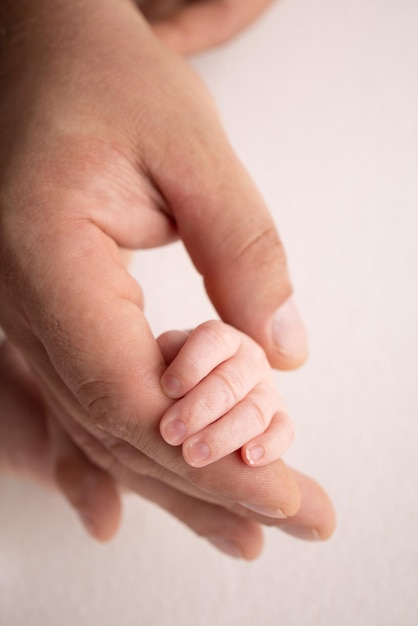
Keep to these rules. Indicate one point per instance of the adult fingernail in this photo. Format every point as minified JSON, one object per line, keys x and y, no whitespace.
{"x":171,"y":386}
{"x":289,"y":335}
{"x":264,"y":510}
{"x":302,"y":532}
{"x":227,"y":546}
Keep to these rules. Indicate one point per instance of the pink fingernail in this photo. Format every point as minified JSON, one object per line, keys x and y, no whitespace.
{"x":197,"y":453}
{"x":254,"y":454}
{"x":288,"y":331}
{"x":174,"y":432}
{"x":171,"y":386}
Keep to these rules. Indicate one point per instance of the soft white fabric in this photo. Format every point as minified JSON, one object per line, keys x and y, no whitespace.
{"x":320,"y":100}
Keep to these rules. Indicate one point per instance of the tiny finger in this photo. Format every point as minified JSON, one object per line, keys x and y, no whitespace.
{"x":212,"y":398}
{"x":248,"y":419}
{"x":209,"y":345}
{"x":272,"y":444}
{"x":171,"y":342}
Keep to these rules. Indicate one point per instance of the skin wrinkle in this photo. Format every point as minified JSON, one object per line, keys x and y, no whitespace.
{"x":117,"y":71}
{"x":101,"y":455}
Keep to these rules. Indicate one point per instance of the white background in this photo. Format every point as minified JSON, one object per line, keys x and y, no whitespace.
{"x":320,"y":100}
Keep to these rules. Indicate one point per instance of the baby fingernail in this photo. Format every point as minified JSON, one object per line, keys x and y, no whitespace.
{"x":174,"y":432}
{"x":197,"y":453}
{"x":171,"y":385}
{"x":265,"y":510}
{"x":254,"y":454}
{"x":289,"y":333}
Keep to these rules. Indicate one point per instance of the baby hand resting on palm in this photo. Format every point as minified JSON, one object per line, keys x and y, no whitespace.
{"x":226,"y":397}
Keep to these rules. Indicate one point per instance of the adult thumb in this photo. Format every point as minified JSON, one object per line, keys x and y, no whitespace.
{"x":233,"y":242}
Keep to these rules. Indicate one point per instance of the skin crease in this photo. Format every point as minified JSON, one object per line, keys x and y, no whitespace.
{"x":83,"y":147}
{"x":227,"y":396}
{"x":33,"y":445}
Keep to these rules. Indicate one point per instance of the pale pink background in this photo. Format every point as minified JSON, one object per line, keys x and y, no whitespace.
{"x":320,"y":99}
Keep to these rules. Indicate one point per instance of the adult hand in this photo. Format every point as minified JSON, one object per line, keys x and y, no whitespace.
{"x":110,"y":142}
{"x":33,"y":444}
{"x":36,"y":447}
{"x":190,"y":27}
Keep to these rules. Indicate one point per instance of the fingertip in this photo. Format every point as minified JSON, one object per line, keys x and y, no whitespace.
{"x":287,"y":496}
{"x":173,"y":431}
{"x":105,"y":511}
{"x":320,"y":532}
{"x":92,"y":493}
{"x":232,"y":546}
{"x":316,"y":519}
{"x":270,"y":445}
{"x":197,"y":453}
{"x":171,"y":386}
{"x":170,"y":343}
{"x":289,"y":343}
{"x":253,"y":454}
{"x":227,"y":546}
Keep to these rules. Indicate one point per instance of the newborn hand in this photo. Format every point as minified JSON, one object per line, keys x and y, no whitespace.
{"x":228,"y":397}
{"x":110,"y":142}
{"x":33,"y":444}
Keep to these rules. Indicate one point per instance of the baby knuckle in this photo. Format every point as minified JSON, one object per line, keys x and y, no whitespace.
{"x":258,"y":412}
{"x":215,"y":332}
{"x":201,"y":409}
{"x":231,"y":384}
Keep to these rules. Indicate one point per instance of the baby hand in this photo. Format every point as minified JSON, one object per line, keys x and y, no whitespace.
{"x":226,"y":394}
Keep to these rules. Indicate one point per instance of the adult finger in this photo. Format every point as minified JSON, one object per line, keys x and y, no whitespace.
{"x":239,"y":532}
{"x":95,"y":339}
{"x":206,"y":514}
{"x":24,"y":445}
{"x":232,"y":240}
{"x":234,"y":530}
{"x":315,"y":520}
{"x":89,"y":490}
{"x":229,"y":532}
{"x":190,"y":28}
{"x":32,"y":443}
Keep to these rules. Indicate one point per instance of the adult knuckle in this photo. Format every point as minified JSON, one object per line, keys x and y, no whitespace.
{"x":121,"y":433}
{"x":263,"y":247}
{"x":94,"y":450}
{"x":128,"y":456}
{"x":101,"y":401}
